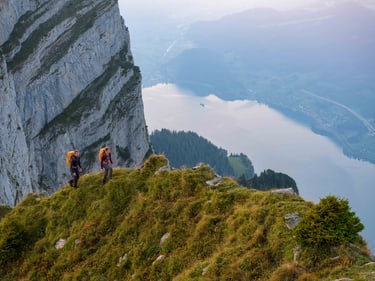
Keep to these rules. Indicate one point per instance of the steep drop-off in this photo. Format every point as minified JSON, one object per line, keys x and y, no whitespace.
{"x":68,"y":80}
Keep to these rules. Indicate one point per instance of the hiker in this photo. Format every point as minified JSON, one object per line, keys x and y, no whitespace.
{"x":75,"y":168}
{"x":106,"y":164}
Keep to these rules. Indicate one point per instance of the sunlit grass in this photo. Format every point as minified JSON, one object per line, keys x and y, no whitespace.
{"x":113,"y":232}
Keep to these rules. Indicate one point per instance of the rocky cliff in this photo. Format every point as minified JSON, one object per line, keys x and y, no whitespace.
{"x":68,"y":80}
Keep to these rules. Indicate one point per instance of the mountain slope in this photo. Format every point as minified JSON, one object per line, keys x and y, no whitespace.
{"x":68,"y":80}
{"x":148,"y":224}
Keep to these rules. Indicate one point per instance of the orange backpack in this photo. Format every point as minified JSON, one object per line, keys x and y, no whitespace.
{"x":101,"y":152}
{"x":69,"y":156}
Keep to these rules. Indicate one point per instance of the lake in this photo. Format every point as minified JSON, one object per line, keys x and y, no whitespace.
{"x":271,"y":141}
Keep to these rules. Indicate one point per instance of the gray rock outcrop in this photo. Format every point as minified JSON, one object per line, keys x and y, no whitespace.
{"x":291,"y":220}
{"x":68,"y":80}
{"x":289,"y":190}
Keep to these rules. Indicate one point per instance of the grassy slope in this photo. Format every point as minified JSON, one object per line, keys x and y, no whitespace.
{"x":237,"y":165}
{"x":227,"y":232}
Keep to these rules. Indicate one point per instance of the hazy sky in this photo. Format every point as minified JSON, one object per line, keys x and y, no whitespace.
{"x":214,"y":8}
{"x":208,"y":5}
{"x":199,"y":8}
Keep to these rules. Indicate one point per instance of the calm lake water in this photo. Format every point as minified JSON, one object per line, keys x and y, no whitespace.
{"x":271,"y":141}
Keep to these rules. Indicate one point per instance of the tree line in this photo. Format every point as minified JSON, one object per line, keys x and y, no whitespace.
{"x":189,"y":149}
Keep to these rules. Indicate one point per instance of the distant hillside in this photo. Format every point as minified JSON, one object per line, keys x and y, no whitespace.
{"x":315,"y":65}
{"x":242,"y":166}
{"x":149,"y":224}
{"x":189,"y":149}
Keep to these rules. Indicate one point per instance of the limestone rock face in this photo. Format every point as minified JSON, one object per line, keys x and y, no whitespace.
{"x":14,"y":174}
{"x":68,"y":81}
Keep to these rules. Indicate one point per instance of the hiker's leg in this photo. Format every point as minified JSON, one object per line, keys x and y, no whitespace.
{"x":75,"y":179}
{"x":110,"y":171}
{"x":72,"y":182}
{"x":105,"y":173}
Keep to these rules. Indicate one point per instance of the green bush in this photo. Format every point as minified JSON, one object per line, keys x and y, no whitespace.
{"x":329,"y":223}
{"x":4,"y":210}
{"x":12,"y":241}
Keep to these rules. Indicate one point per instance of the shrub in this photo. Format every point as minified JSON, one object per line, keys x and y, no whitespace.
{"x":4,"y":210}
{"x":12,"y":241}
{"x":329,"y":223}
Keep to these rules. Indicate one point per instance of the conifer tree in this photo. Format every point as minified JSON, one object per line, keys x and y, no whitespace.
{"x":329,"y":223}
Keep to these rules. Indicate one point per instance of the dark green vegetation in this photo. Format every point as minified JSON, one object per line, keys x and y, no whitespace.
{"x":189,"y":149}
{"x":270,"y":179}
{"x":316,"y":66}
{"x":242,"y":166}
{"x":341,"y":225}
{"x":329,"y":223}
{"x":4,"y":210}
{"x":114,"y":232}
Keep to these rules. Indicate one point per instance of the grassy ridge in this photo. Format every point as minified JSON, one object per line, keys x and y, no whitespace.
{"x":113,"y":232}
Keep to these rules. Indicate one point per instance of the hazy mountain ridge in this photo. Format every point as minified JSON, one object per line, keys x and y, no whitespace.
{"x":153,"y":224}
{"x":315,"y":65}
{"x":68,"y":81}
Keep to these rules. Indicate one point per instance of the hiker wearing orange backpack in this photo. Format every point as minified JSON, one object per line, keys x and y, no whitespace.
{"x":75,"y":167}
{"x":106,"y":163}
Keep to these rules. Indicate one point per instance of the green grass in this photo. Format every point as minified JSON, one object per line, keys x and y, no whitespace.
{"x":229,"y":232}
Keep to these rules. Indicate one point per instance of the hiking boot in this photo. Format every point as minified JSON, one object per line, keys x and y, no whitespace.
{"x":71,"y":183}
{"x":103,"y":182}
